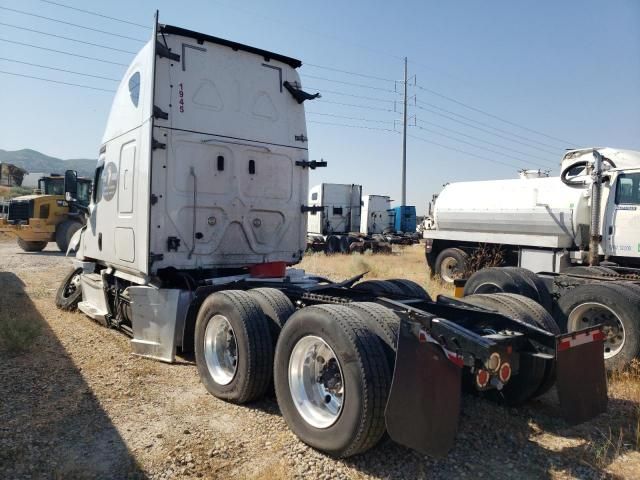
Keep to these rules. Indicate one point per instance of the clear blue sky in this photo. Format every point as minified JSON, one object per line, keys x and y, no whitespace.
{"x":569,"y":69}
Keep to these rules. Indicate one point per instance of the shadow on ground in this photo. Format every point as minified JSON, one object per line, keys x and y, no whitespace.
{"x":51,"y":424}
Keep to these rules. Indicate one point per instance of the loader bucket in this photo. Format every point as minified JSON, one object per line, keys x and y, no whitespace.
{"x":581,"y":378}
{"x":424,"y":403}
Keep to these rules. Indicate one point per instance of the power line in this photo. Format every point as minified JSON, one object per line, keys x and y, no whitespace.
{"x":467,"y":143}
{"x":59,"y":69}
{"x":357,"y":106}
{"x":96,"y":14}
{"x":353,"y":126}
{"x":72,"y":24}
{"x":470,"y":107}
{"x":457,"y":132}
{"x":57,"y":81}
{"x":348,"y":118}
{"x":479,"y":128}
{"x":374,"y":99}
{"x":364,"y":75}
{"x":63,"y":52}
{"x":348,"y":83}
{"x":68,"y":38}
{"x":448,"y":147}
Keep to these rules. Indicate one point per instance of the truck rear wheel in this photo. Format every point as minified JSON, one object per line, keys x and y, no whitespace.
{"x":332,"y":245}
{"x":31,"y":246}
{"x":451,"y":263}
{"x":616,"y":307}
{"x":384,"y":323}
{"x":499,"y":280}
{"x":378,"y":287}
{"x":69,"y":292}
{"x":544,"y":297}
{"x":276,"y":306}
{"x":332,"y":380}
{"x":535,"y":376}
{"x":233,"y":346}
{"x":410,"y":288}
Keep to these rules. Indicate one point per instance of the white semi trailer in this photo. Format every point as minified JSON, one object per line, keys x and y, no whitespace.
{"x":198,"y":209}
{"x":543,"y":224}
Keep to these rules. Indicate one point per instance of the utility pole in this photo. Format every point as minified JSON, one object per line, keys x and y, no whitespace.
{"x":404,"y":139}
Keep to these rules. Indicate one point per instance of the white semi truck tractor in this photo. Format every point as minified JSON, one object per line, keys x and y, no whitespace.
{"x":197,"y":217}
{"x":588,"y":215}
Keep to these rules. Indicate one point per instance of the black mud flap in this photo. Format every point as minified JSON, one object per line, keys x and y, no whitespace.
{"x":581,"y":376}
{"x":424,"y":404}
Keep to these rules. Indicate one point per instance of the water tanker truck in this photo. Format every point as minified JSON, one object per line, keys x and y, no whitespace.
{"x":195,"y":225}
{"x":578,"y":233}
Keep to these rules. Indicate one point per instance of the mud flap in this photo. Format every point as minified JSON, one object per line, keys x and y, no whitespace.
{"x":424,"y":404}
{"x":581,"y":377}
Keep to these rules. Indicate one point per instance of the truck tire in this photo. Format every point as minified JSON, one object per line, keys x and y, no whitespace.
{"x":332,"y":245}
{"x":233,"y":346}
{"x":332,"y":380}
{"x":614,"y":305}
{"x":276,"y":306}
{"x":31,"y":246}
{"x":69,"y":292}
{"x":534,"y":375}
{"x":384,"y":323}
{"x":451,"y":263}
{"x":544,"y":296}
{"x":499,"y":280}
{"x":64,"y":232}
{"x":344,"y":244}
{"x":410,"y":288}
{"x":378,"y":287}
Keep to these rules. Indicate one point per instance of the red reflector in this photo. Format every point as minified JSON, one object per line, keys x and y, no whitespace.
{"x":564,"y":345}
{"x":482,"y":378}
{"x":599,"y":335}
{"x":505,"y":372}
{"x":268,"y":270}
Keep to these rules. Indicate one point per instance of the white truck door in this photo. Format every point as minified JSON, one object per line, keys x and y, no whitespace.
{"x":623,"y":222}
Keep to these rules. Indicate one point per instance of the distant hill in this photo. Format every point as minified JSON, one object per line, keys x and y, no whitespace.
{"x":34,"y":161}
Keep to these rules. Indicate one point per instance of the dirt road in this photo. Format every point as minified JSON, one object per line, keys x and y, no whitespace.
{"x":75,"y":403}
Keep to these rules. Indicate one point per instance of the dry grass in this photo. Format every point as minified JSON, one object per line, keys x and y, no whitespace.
{"x":405,"y":262}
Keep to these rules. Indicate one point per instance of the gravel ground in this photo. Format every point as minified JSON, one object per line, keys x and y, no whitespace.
{"x":78,"y":404}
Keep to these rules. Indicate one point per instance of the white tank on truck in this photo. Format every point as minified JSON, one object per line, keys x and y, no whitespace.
{"x":543,"y":224}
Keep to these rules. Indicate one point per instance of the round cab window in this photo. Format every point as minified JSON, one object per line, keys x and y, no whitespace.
{"x":134,"y":88}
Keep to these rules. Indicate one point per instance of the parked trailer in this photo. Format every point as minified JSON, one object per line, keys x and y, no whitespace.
{"x":581,"y":297}
{"x":586,"y":215}
{"x":187,"y":246}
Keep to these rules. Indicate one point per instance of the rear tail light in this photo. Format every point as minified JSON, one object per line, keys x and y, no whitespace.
{"x":505,"y":372}
{"x":493,"y":362}
{"x":482,"y":378}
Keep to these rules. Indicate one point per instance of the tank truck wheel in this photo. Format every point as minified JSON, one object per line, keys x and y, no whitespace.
{"x":384,"y":323}
{"x":233,"y":346}
{"x":533,"y":372}
{"x":544,"y":296}
{"x":499,"y":280}
{"x":410,"y":288}
{"x":378,"y":288}
{"x":616,"y":306}
{"x":69,"y":292}
{"x":451,"y":263}
{"x":31,"y":246}
{"x":332,"y":380}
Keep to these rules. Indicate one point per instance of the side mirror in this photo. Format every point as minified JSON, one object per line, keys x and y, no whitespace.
{"x":70,"y":185}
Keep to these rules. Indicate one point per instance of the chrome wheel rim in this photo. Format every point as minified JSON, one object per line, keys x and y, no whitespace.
{"x":316,"y":382}
{"x":591,"y":314}
{"x":220,"y":350}
{"x":449,"y":269}
{"x":73,"y":285}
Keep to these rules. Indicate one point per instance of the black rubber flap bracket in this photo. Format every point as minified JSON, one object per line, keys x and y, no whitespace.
{"x":424,"y":404}
{"x":164,"y":52}
{"x":581,"y":376}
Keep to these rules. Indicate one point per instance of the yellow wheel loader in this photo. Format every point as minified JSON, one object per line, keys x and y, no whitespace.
{"x":46,"y":216}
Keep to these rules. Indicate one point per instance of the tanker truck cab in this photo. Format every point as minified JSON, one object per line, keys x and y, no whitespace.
{"x":621,"y":223}
{"x":199,"y":208}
